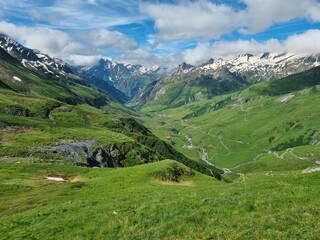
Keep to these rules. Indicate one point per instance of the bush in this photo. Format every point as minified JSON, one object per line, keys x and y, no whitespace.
{"x":174,"y":173}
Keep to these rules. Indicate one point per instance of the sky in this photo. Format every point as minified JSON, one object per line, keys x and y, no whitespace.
{"x":161,"y":32}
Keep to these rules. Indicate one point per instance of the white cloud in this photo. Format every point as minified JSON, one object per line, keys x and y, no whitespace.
{"x":228,"y":49}
{"x":298,"y":43}
{"x":261,"y":14}
{"x":206,"y":20}
{"x":53,"y":42}
{"x":110,"y":39}
{"x":307,"y":42}
{"x":140,"y":56}
{"x":191,"y":19}
{"x":65,"y":46}
{"x":314,"y":13}
{"x":86,"y":14}
{"x":38,"y":14}
{"x":80,"y":60}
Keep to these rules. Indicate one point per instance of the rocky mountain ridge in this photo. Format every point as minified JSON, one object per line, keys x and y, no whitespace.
{"x":128,"y":78}
{"x":259,"y":67}
{"x":188,"y":83}
{"x":34,"y":59}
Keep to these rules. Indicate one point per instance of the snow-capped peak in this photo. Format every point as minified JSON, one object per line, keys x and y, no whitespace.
{"x":34,"y":59}
{"x":262,"y":66}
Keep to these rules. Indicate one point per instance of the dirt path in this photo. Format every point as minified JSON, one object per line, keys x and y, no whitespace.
{"x":311,"y":170}
{"x":289,"y":150}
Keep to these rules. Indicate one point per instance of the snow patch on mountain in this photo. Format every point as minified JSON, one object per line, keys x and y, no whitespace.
{"x":34,"y":59}
{"x":262,"y":66}
{"x":286,"y":98}
{"x":17,"y":78}
{"x":128,"y":78}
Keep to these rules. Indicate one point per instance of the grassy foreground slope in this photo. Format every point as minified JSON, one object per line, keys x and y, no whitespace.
{"x":268,"y":126}
{"x":130,"y":203}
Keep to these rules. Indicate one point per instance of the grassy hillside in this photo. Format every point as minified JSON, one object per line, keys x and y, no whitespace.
{"x":177,"y":90}
{"x":133,"y":203}
{"x":47,"y":130}
{"x":294,"y":82}
{"x":36,"y":122}
{"x":268,"y":126}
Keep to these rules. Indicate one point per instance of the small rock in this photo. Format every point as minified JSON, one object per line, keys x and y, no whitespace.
{"x":57,"y":179}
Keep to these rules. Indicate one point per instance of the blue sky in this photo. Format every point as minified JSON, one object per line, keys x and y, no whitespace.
{"x":164,"y":32}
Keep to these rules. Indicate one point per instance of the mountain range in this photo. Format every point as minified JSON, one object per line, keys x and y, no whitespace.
{"x":137,"y":84}
{"x":187,"y":83}
{"x":255,"y":68}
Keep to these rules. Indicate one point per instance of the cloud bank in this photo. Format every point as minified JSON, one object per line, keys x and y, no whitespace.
{"x":67,"y":46}
{"x":204,"y":19}
{"x":109,"y":39}
{"x":304,"y":43}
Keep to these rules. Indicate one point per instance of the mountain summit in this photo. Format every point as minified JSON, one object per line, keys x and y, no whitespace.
{"x":34,"y":59}
{"x":262,"y":66}
{"x":182,"y":68}
{"x":128,"y":78}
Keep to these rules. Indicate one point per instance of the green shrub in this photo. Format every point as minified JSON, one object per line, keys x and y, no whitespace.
{"x":174,"y":173}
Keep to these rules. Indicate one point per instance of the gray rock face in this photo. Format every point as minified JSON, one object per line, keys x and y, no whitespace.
{"x":17,"y":111}
{"x":88,"y":152}
{"x":182,"y":68}
{"x":77,"y":151}
{"x":107,"y":157}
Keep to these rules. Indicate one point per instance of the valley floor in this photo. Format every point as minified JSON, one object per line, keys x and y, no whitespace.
{"x":130,"y":203}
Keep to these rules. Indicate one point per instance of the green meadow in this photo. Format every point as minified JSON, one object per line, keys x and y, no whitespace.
{"x":244,"y":131}
{"x":133,"y":203}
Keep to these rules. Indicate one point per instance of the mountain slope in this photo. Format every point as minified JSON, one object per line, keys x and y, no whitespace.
{"x":179,"y":89}
{"x":188,"y":83}
{"x":53,"y":69}
{"x":16,"y":77}
{"x":50,"y":131}
{"x":256,"y":68}
{"x":34,"y":59}
{"x":294,"y":82}
{"x":128,"y":78}
{"x":105,"y":86}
